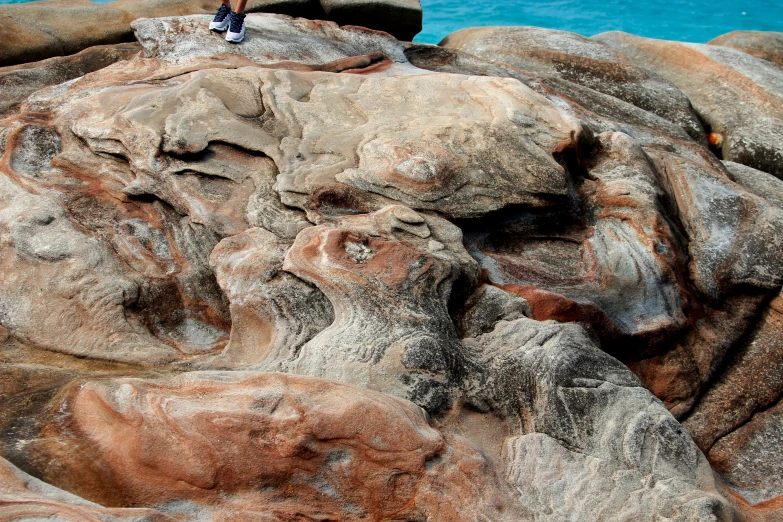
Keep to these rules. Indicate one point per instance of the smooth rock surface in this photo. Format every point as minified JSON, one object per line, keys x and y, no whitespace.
{"x":767,"y":45}
{"x":18,"y":82}
{"x":23,"y":497}
{"x":739,"y":97}
{"x":548,"y":53}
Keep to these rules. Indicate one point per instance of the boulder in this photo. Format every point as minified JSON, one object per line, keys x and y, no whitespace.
{"x":766,"y":45}
{"x":548,"y":53}
{"x":739,"y":97}
{"x":19,"y":81}
{"x":40,"y":30}
{"x":402,"y":18}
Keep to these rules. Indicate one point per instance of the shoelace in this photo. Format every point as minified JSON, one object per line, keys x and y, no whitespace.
{"x":236,"y":22}
{"x":222,"y":12}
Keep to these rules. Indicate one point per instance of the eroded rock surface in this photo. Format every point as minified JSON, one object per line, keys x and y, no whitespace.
{"x":38,"y":30}
{"x":766,"y":45}
{"x":327,"y":275}
{"x":208,"y":443}
{"x":548,"y":53}
{"x":739,"y":96}
{"x":20,"y":81}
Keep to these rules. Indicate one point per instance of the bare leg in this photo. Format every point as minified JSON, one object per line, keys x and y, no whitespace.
{"x":226,"y":3}
{"x":240,"y":5}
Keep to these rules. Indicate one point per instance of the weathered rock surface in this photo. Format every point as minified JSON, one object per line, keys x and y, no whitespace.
{"x":739,"y":97}
{"x":203,"y":444}
{"x":737,"y":422}
{"x":581,"y":414}
{"x":326,"y":275}
{"x":20,"y":81}
{"x":40,"y":30}
{"x":766,"y":45}
{"x":23,"y":497}
{"x":548,"y":53}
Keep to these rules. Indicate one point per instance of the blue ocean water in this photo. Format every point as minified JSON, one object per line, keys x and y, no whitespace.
{"x":684,"y":20}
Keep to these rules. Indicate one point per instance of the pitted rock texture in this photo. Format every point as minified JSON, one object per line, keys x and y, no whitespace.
{"x":327,"y":275}
{"x":42,"y":30}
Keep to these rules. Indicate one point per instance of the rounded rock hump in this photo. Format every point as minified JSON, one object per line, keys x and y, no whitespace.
{"x":572,"y":58}
{"x":766,"y":45}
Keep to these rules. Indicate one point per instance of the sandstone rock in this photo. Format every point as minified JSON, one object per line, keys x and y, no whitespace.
{"x":766,"y":45}
{"x":365,"y":263}
{"x":200,"y":444}
{"x":86,"y":293}
{"x":18,"y":82}
{"x":548,"y":53}
{"x":603,"y":112}
{"x":735,"y":236}
{"x":759,"y":183}
{"x":581,"y":414}
{"x":609,"y":257}
{"x":740,"y":97}
{"x":684,"y":368}
{"x":273,"y":314}
{"x":269,"y":40}
{"x":735,"y":423}
{"x":423,"y":163}
{"x":748,"y":459}
{"x":23,"y":497}
{"x":190,"y":210}
{"x":41,"y":30}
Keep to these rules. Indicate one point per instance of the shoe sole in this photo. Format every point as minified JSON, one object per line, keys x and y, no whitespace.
{"x":218,"y":29}
{"x":233,"y":40}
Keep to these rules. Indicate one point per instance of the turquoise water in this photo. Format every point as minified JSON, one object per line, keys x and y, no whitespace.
{"x":684,"y":20}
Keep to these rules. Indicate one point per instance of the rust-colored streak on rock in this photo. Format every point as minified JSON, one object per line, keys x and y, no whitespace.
{"x":236,"y":441}
{"x":547,"y":305}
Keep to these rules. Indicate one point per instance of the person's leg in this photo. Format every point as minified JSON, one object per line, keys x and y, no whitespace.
{"x":236,"y":30}
{"x":221,"y":20}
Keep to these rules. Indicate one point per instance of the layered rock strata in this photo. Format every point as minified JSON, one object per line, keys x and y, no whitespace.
{"x":327,"y":275}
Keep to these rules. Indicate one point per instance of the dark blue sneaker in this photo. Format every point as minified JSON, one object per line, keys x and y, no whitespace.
{"x":221,"y":20}
{"x":236,"y":31}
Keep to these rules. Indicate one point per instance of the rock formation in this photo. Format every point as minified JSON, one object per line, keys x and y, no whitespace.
{"x":329,"y":275}
{"x":761,"y":44}
{"x":739,"y":97}
{"x":40,"y":30}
